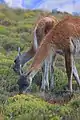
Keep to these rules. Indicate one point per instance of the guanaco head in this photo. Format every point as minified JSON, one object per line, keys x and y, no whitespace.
{"x":17,"y":63}
{"x":24,"y":83}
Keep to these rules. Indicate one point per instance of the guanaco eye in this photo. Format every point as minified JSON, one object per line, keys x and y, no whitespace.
{"x":17,"y":60}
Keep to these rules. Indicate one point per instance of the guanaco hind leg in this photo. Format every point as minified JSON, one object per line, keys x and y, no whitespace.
{"x":75,"y":74}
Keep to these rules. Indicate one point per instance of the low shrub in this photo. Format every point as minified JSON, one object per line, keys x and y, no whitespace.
{"x":32,"y":108}
{"x":74,"y":104}
{"x":3,"y":30}
{"x":60,"y":80}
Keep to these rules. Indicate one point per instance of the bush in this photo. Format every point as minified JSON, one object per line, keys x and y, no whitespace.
{"x":6,"y":22}
{"x":60,"y":80}
{"x":35,"y":88}
{"x":29,"y":14}
{"x":8,"y":79}
{"x":11,"y":45}
{"x":4,"y":30}
{"x":32,"y":108}
{"x":75,"y":105}
{"x":24,"y":28}
{"x":2,"y":16}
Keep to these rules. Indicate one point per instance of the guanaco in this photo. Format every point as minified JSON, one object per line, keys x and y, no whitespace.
{"x":43,"y":26}
{"x":65,"y":36}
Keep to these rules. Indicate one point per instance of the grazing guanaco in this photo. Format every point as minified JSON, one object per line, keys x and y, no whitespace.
{"x":65,"y":36}
{"x":43,"y":26}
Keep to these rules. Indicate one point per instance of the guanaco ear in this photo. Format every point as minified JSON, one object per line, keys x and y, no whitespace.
{"x":19,"y":53}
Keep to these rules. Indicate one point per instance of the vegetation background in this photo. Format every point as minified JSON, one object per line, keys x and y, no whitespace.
{"x":16,"y":27}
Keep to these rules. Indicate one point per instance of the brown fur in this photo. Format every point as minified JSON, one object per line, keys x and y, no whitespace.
{"x":42,"y":27}
{"x":60,"y":37}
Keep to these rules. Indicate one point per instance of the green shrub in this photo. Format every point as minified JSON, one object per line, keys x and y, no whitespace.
{"x":6,"y":22}
{"x":29,"y":14}
{"x":24,"y":28}
{"x":32,"y":108}
{"x":34,"y":88}
{"x":75,"y":105}
{"x":8,"y":79}
{"x":60,"y":80}
{"x":75,"y":102}
{"x":2,"y":16}
{"x":11,"y":45}
{"x":4,"y":30}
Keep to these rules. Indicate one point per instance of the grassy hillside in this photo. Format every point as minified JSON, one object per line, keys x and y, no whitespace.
{"x":16,"y":28}
{"x":15,"y":31}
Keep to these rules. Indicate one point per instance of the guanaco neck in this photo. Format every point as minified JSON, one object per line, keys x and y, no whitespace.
{"x":41,"y":29}
{"x":26,"y":56}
